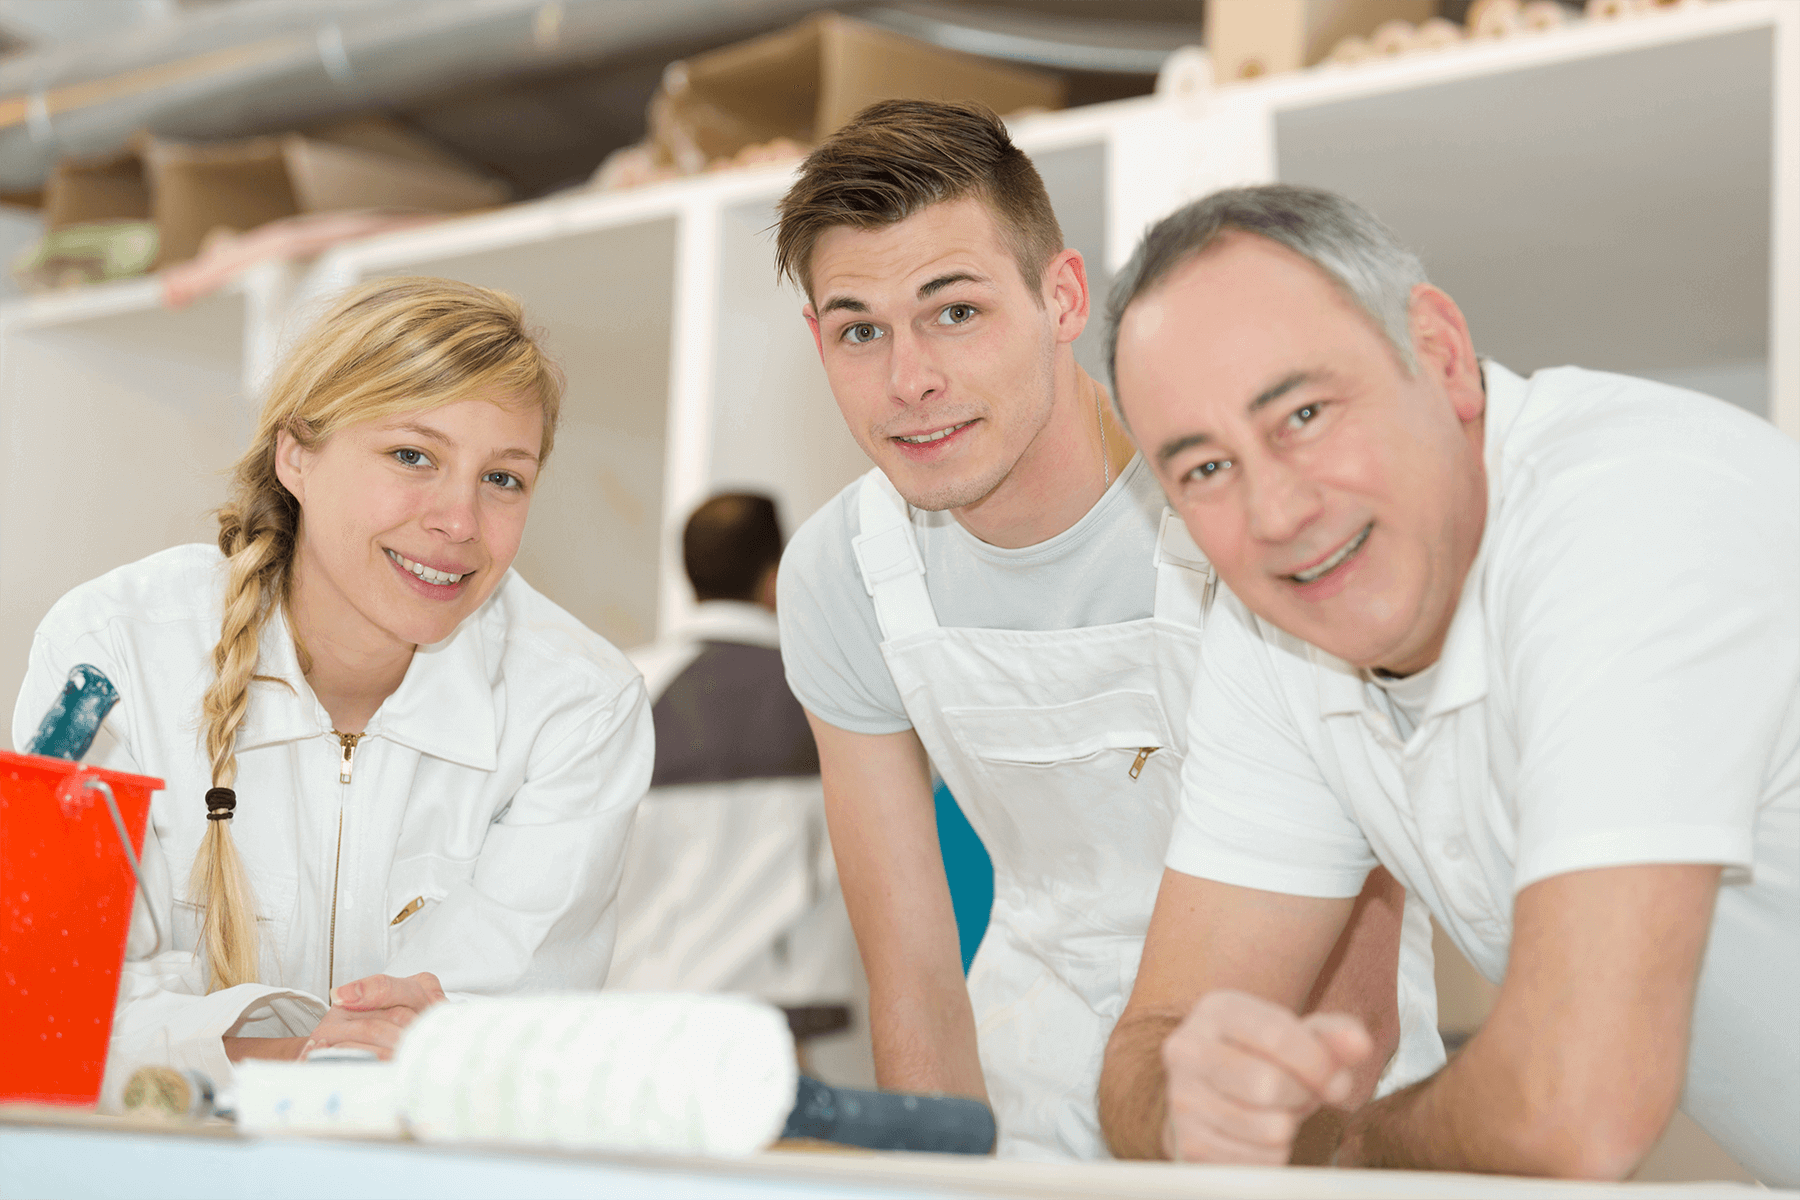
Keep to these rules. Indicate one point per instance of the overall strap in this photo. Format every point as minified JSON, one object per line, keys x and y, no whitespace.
{"x":888,"y":553}
{"x":1185,"y":581}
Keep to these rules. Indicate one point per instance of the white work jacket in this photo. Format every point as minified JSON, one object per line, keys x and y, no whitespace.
{"x":474,"y":831}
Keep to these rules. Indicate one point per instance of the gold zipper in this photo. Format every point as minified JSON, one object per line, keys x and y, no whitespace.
{"x":412,"y":906}
{"x":1143,"y":756}
{"x":348,"y":742}
{"x":345,"y":770}
{"x":336,"y":860}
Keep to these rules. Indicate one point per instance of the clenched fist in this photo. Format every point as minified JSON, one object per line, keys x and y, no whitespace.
{"x":1243,"y":1074}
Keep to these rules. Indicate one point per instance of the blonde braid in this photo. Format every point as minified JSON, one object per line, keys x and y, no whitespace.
{"x":256,"y":533}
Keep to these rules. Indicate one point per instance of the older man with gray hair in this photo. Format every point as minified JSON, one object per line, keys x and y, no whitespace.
{"x":1533,"y":645}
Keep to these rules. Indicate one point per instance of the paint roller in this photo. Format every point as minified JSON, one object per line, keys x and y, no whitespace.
{"x":622,"y":1071}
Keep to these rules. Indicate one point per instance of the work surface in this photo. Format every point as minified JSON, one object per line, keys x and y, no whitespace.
{"x":46,"y":1153}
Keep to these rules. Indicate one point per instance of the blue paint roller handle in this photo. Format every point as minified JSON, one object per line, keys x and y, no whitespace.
{"x":891,"y":1120}
{"x":69,"y":727}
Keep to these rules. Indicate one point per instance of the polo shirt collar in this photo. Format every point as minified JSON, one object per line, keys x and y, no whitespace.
{"x":444,"y":707}
{"x":1462,"y":677}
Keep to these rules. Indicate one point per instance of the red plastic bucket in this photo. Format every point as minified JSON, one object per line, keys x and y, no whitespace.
{"x":66,"y":891}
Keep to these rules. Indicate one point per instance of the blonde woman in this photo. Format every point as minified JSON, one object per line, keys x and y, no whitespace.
{"x":392,"y":767}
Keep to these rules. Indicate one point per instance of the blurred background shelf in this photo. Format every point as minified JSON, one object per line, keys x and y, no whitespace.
{"x":1619,"y":195}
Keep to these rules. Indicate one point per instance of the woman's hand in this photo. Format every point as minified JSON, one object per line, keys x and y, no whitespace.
{"x":371,"y":1013}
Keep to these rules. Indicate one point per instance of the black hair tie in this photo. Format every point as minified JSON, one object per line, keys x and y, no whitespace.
{"x":219,"y":803}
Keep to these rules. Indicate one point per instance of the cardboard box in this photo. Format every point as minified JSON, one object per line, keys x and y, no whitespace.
{"x":191,"y":190}
{"x":112,"y":188}
{"x":1247,"y":38}
{"x":803,"y":82}
{"x":195,"y":189}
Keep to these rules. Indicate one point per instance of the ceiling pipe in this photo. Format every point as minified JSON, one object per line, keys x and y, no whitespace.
{"x":268,"y":65}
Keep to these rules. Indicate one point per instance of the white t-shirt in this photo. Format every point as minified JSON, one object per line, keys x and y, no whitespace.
{"x":479,"y":837}
{"x":1620,"y":684}
{"x":1099,"y":571}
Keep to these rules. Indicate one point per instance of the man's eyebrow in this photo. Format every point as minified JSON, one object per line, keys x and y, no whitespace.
{"x":847,"y":303}
{"x":1176,"y":445}
{"x":1267,"y":396}
{"x":1271,"y":394}
{"x":934,"y":286}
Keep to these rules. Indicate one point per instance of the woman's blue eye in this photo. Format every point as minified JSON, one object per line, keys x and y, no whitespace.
{"x":860,"y":333}
{"x":411,"y":457}
{"x":956,"y":314}
{"x":505,"y":479}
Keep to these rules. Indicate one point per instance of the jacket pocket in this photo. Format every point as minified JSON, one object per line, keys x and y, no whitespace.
{"x":415,"y":887}
{"x":274,"y":898}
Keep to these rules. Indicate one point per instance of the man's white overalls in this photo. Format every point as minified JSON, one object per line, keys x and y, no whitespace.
{"x":1064,"y":749}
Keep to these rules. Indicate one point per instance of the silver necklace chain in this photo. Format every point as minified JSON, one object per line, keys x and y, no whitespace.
{"x":1105,"y":458}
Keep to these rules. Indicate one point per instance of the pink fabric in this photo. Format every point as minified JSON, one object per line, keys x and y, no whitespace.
{"x":303,"y":236}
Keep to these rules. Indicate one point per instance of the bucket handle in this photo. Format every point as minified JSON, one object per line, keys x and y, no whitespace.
{"x":95,"y":783}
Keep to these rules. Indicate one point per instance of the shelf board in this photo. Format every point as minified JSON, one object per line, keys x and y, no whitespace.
{"x":1661,"y":261}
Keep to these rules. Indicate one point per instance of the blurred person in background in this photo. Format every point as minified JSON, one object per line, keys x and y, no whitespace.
{"x":1007,"y":599}
{"x":729,"y":882}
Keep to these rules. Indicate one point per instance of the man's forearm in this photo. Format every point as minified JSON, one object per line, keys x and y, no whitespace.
{"x":1134,"y":1087}
{"x":1470,"y":1116}
{"x":924,"y":1041}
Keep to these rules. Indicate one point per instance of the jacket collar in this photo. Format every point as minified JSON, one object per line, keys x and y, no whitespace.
{"x":444,"y":707}
{"x":1462,"y":666}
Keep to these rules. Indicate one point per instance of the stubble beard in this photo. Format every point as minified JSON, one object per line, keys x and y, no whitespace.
{"x":963,"y":493}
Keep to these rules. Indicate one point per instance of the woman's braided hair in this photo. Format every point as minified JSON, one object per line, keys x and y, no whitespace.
{"x":390,"y":347}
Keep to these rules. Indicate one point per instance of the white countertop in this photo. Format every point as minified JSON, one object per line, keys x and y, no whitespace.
{"x":48,"y":1153}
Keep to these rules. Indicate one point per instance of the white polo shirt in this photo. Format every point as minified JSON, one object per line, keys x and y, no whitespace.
{"x":1620,"y":684}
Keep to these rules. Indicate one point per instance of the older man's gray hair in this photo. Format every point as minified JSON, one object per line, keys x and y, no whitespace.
{"x":1360,"y":254}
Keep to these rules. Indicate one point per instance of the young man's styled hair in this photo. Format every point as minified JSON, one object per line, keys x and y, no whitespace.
{"x":896,"y":157}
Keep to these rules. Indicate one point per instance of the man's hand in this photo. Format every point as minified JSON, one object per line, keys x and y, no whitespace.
{"x":1211,"y":1020}
{"x":371,"y":1013}
{"x":1243,"y":1073}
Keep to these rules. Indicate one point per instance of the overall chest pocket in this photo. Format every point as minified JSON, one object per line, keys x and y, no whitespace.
{"x":1075,"y":802}
{"x":1091,"y":731}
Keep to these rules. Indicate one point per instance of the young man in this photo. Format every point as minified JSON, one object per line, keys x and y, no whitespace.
{"x":1533,"y":645}
{"x":1003,"y":598}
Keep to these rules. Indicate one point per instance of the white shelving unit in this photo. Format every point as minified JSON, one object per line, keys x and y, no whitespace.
{"x":117,"y":418}
{"x":1623,"y":196}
